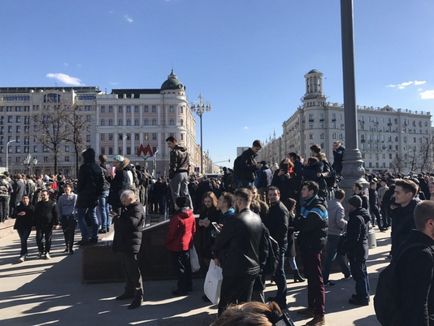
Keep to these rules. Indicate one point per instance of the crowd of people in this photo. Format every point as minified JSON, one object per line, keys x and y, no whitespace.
{"x":254,"y":221}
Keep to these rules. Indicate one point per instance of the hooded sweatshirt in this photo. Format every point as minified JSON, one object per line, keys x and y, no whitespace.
{"x":182,"y":227}
{"x":356,"y":243}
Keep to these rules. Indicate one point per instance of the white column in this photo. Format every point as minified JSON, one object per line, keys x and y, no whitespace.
{"x":133,"y":149}
{"x":124,"y":141}
{"x":115,"y":143}
{"x":115,"y":108}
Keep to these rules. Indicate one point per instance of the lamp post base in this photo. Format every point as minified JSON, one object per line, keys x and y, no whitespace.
{"x":352,"y":171}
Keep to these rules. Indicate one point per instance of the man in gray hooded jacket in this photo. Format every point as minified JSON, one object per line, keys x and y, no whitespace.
{"x":336,"y":228}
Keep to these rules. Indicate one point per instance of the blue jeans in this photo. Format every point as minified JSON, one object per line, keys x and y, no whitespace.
{"x":360,"y":275}
{"x":331,"y":255}
{"x":81,"y":214}
{"x":280,"y":279}
{"x":104,"y":210}
{"x":24,"y":235}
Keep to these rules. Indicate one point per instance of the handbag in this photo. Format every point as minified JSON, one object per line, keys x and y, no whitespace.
{"x":194,"y":260}
{"x":213,"y":282}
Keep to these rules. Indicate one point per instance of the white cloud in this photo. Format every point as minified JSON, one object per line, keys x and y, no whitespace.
{"x":427,"y":95}
{"x":65,"y":79}
{"x":246,"y":128}
{"x":128,"y":19}
{"x":405,"y":84}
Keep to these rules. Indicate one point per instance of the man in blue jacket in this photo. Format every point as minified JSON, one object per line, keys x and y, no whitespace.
{"x":312,"y":224}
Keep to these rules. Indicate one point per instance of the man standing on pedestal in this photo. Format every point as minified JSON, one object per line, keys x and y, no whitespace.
{"x":89,"y":189}
{"x":178,"y":170}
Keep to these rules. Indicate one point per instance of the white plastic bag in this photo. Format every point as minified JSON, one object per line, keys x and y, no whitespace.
{"x":194,"y":260}
{"x":213,"y":282}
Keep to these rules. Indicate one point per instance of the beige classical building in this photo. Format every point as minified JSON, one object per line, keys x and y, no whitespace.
{"x":20,"y":131}
{"x":389,"y":139}
{"x":131,"y":119}
{"x":130,"y":122}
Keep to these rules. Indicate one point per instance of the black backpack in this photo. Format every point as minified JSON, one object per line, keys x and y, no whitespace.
{"x":385,"y":300}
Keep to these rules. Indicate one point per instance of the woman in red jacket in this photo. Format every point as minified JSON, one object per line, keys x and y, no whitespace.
{"x":179,"y":240}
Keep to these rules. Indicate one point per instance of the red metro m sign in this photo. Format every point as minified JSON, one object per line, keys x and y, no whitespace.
{"x":145,"y":151}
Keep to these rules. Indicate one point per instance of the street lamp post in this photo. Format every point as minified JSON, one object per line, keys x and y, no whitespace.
{"x":7,"y":153}
{"x":352,"y":165}
{"x":200,"y":108}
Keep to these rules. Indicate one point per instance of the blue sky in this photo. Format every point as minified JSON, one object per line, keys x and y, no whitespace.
{"x":247,"y":57}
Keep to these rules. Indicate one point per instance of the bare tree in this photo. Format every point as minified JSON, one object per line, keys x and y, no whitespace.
{"x":397,"y":164}
{"x":76,"y":124}
{"x":426,"y":154}
{"x":50,"y":129}
{"x":413,"y":156}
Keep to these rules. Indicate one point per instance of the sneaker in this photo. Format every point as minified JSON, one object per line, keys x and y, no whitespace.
{"x":22,"y":258}
{"x":47,"y":255}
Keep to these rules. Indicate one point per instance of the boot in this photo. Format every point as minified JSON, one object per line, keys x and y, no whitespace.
{"x":137,"y":301}
{"x":297,"y":276}
{"x":318,"y":320}
{"x":125,"y":295}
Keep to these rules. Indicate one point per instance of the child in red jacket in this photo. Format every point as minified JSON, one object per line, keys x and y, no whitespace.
{"x":179,"y":240}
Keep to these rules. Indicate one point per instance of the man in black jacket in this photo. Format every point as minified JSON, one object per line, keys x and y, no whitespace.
{"x":89,"y":188}
{"x":356,"y":247}
{"x":127,"y":241}
{"x":402,"y":213}
{"x":245,"y":166}
{"x":277,"y":223}
{"x":312,"y":224}
{"x":338,"y":155}
{"x":415,"y":270}
{"x":237,"y":249}
{"x":178,"y":170}
{"x":46,"y":216}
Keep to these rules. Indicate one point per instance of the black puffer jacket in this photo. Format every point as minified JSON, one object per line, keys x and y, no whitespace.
{"x":356,"y":241}
{"x":238,"y":244}
{"x":90,"y":181}
{"x":312,"y":224}
{"x":25,"y":221}
{"x":128,"y":229}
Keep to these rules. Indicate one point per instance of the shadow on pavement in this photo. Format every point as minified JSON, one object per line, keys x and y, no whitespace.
{"x":57,"y":296}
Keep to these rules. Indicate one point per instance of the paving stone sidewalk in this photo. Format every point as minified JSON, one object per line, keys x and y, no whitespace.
{"x":49,"y":292}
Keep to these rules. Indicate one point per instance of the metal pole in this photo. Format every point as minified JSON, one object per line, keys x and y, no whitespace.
{"x":201,"y":146}
{"x":353,"y":170}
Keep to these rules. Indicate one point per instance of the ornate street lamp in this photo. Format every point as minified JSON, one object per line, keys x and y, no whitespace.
{"x":200,"y":108}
